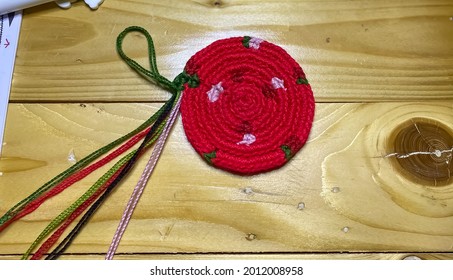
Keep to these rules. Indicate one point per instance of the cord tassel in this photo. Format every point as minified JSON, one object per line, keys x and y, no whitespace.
{"x":99,"y":192}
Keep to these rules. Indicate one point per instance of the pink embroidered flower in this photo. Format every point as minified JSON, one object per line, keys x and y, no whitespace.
{"x":247,"y":139}
{"x":214,"y":92}
{"x":254,"y":43}
{"x":277,"y":83}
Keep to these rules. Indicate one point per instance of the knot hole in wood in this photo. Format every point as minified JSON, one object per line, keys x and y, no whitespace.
{"x":422,"y":151}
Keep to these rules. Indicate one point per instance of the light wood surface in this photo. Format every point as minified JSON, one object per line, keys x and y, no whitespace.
{"x":190,"y":207}
{"x":351,"y":51}
{"x":260,"y":256}
{"x":346,"y":191}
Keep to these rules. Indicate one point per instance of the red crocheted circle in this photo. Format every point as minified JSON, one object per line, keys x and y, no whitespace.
{"x":252,"y":109}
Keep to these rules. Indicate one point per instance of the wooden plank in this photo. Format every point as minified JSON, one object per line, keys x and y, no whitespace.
{"x":355,"y":197}
{"x":261,"y":256}
{"x":352,"y":51}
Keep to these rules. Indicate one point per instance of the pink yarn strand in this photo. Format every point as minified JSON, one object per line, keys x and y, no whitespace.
{"x":141,"y":184}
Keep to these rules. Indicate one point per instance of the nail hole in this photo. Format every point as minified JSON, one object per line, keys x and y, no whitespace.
{"x":71,"y":157}
{"x":248,"y":190}
{"x":301,"y":206}
{"x":437,"y":153}
{"x":335,"y":189}
{"x":250,"y":236}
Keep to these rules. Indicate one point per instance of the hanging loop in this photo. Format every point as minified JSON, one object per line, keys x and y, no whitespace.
{"x":153,"y":72}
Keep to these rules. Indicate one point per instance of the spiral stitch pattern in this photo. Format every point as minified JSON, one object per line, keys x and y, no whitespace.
{"x":253,"y":108}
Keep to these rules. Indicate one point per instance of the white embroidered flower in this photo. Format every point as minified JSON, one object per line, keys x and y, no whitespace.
{"x":214,"y":92}
{"x":247,"y":139}
{"x":277,"y":83}
{"x":254,"y":43}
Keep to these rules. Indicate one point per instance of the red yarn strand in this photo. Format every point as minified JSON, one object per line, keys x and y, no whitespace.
{"x":57,"y":234}
{"x":75,"y":178}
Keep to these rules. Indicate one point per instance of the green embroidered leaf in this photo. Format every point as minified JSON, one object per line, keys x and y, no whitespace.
{"x":209,"y":156}
{"x":246,"y":41}
{"x":194,"y":81}
{"x":302,"y":81}
{"x":287,"y":150}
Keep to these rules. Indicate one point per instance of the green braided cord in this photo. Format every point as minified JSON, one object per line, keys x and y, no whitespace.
{"x":77,"y":166}
{"x":153,"y":73}
{"x":101,"y":181}
{"x":175,"y":87}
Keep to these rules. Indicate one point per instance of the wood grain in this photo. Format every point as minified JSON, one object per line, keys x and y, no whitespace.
{"x":361,"y":206}
{"x":261,"y":256}
{"x":374,"y":67}
{"x":352,"y":51}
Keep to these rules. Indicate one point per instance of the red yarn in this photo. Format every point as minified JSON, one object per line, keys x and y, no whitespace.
{"x":56,"y":235}
{"x":253,"y":109}
{"x":32,"y":206}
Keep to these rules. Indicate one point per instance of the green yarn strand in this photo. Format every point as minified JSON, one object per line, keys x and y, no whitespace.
{"x":101,"y":181}
{"x":175,"y":87}
{"x":76,"y":167}
{"x":153,"y":73}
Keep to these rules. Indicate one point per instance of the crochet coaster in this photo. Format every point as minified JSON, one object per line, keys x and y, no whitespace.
{"x":253,"y":108}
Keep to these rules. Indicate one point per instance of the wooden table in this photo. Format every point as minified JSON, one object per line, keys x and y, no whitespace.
{"x":382,"y":75}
